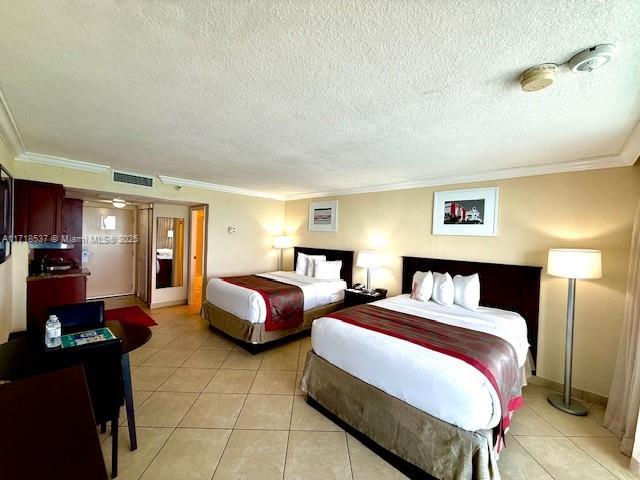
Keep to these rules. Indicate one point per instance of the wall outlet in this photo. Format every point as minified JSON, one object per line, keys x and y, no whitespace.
{"x":232,"y":230}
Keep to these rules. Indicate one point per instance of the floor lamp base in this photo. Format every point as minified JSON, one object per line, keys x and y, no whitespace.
{"x":574,"y":408}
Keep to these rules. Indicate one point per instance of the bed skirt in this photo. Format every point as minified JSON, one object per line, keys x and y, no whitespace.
{"x":439,"y":448}
{"x":255,"y":333}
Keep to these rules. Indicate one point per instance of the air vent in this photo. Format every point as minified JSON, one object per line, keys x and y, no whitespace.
{"x":132,"y":179}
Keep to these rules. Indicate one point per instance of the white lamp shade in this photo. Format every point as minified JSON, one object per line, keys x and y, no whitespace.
{"x":368,"y":259}
{"x":282,"y":242}
{"x":169,"y":233}
{"x":575,"y":263}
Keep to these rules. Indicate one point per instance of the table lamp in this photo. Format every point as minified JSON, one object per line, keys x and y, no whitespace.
{"x":281,"y":242}
{"x":368,"y":260}
{"x":572,"y":264}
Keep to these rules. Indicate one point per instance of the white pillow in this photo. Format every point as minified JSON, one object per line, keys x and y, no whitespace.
{"x":443,"y":291}
{"x":311,"y":263}
{"x":422,"y":286}
{"x":327,"y":270}
{"x":467,"y":291}
{"x":301,"y":264}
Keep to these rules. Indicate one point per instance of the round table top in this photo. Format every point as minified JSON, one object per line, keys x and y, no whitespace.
{"x":19,"y":357}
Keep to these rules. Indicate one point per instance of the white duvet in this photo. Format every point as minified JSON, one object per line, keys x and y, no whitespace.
{"x":442,"y":386}
{"x":249,"y":304}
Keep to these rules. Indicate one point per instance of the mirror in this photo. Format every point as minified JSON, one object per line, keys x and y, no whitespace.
{"x":169,"y":252}
{"x":6,"y":213}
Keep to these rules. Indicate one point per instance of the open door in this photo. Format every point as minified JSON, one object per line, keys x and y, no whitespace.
{"x":197,"y":253}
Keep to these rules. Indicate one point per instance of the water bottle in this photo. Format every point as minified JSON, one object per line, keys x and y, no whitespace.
{"x":53,"y":330}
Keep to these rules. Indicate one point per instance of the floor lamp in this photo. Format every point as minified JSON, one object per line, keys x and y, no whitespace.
{"x":572,"y":264}
{"x":282,"y":242}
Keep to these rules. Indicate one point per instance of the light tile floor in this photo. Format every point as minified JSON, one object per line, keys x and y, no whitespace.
{"x":207,"y":409}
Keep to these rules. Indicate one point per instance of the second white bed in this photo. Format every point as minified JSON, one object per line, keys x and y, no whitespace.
{"x":249,"y":305}
{"x":442,"y":386}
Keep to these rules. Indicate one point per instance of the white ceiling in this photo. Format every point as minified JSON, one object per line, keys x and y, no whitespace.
{"x":302,"y":96}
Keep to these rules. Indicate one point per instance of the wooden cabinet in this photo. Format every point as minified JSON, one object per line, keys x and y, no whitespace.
{"x":38,"y":208}
{"x":43,"y":293}
{"x":72,"y":218}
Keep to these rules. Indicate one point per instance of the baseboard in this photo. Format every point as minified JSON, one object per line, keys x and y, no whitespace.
{"x":588,"y":397}
{"x":172,"y":303}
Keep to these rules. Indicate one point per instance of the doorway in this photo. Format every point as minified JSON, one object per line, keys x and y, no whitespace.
{"x":110,"y":253}
{"x":197,"y":253}
{"x":145,"y":228}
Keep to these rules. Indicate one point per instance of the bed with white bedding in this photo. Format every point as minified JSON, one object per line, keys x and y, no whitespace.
{"x":241,"y":312}
{"x":249,"y":305}
{"x":459,"y":393}
{"x":440,"y":413}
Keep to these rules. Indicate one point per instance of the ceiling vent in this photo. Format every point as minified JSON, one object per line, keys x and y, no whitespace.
{"x":119,"y":176}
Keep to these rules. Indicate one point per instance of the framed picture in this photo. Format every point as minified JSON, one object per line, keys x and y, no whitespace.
{"x":466,"y":212}
{"x":323,"y":216}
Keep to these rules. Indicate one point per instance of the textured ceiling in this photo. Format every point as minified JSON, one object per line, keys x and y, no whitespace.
{"x":300,"y":96}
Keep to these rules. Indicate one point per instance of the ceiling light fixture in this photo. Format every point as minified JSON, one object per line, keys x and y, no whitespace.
{"x":119,"y":203}
{"x":541,"y":76}
{"x":592,"y":58}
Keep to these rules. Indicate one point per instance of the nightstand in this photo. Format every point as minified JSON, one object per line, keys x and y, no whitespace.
{"x":358,"y":297}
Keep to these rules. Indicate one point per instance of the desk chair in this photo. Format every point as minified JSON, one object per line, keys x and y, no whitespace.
{"x":91,"y":315}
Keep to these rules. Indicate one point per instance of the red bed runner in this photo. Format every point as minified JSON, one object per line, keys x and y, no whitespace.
{"x":285,"y":303}
{"x":493,"y":356}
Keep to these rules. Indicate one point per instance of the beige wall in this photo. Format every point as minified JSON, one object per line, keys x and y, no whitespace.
{"x":588,"y":209}
{"x":6,"y":268}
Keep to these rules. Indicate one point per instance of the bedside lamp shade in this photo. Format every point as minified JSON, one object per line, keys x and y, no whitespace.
{"x":282,"y":242}
{"x":575,"y":263}
{"x":368,"y":259}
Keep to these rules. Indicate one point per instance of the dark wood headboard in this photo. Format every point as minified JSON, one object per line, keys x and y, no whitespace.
{"x":509,"y":287}
{"x":346,"y":272}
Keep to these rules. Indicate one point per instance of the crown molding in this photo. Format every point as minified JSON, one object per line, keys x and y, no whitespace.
{"x":183,"y":182}
{"x":595,"y":163}
{"x":54,"y":161}
{"x":631,"y":148}
{"x":9,"y":132}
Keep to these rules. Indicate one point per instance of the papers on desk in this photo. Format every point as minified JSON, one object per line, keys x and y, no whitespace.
{"x":89,"y":336}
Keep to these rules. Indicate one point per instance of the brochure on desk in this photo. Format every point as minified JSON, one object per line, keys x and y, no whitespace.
{"x":89,"y":336}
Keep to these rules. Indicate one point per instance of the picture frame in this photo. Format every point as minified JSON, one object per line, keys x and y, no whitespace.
{"x":323,"y":216}
{"x":6,"y":213}
{"x":471,"y":212}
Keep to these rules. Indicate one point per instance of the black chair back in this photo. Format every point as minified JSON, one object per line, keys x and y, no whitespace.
{"x":102,"y":367}
{"x":89,"y":314}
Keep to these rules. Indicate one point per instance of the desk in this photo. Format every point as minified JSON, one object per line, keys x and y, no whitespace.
{"x":57,"y":439}
{"x":26,"y":356}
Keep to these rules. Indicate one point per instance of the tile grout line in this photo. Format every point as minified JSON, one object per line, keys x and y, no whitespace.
{"x":346,"y":439}
{"x":532,"y":457}
{"x":172,"y":430}
{"x":234,"y":426}
{"x":592,"y":457}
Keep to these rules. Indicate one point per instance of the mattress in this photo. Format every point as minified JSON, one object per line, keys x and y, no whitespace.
{"x":249,"y":305}
{"x":442,"y":386}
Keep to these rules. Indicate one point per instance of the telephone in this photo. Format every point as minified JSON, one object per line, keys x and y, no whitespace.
{"x":359,"y":286}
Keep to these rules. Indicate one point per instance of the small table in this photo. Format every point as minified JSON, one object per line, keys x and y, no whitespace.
{"x":25,"y":356}
{"x":358,"y":297}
